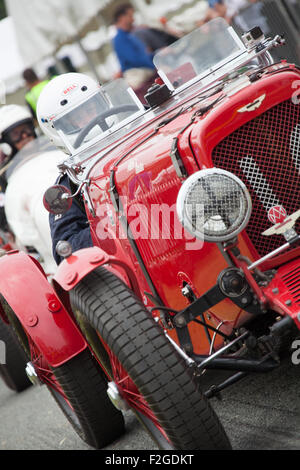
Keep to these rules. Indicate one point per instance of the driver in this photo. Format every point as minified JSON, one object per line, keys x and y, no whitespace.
{"x":16,"y":127}
{"x":65,"y":107}
{"x":16,"y":130}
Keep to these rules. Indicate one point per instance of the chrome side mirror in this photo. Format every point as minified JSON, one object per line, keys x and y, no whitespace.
{"x":57,"y":199}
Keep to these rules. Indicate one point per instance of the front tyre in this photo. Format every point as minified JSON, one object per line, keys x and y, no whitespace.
{"x":79,"y":387}
{"x":148,"y":372}
{"x":13,"y":371}
{"x":85,"y":403}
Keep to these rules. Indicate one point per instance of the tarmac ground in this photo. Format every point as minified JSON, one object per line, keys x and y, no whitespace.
{"x":260,"y":412}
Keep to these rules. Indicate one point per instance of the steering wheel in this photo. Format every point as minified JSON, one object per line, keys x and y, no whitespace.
{"x":100,"y":121}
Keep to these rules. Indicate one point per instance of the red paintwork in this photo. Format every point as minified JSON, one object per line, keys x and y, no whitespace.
{"x":35,"y":303}
{"x":283,"y":291}
{"x":77,"y":266}
{"x":146,"y":176}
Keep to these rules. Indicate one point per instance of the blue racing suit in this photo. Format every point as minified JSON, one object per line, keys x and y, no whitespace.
{"x":72,"y":226}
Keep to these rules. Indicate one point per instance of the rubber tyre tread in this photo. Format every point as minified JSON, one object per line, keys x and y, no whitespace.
{"x":160,"y":374}
{"x":99,"y":422}
{"x":13,"y":371}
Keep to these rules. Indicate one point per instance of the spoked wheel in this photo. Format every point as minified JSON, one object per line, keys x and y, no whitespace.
{"x":146,"y":371}
{"x":13,"y":371}
{"x":80,"y":389}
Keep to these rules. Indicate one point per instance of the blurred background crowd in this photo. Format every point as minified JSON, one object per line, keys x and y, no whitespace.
{"x":100,"y":37}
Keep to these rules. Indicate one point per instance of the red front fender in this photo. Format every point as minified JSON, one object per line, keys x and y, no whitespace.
{"x":74,"y":268}
{"x":38,"y":308}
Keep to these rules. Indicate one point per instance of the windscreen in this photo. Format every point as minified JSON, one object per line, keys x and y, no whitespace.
{"x":198,"y":53}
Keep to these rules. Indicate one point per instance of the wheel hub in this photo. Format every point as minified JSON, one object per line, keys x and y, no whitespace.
{"x":116,"y":398}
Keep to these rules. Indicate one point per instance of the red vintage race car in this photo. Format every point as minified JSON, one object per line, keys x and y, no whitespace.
{"x":28,"y":175}
{"x":193,"y":210}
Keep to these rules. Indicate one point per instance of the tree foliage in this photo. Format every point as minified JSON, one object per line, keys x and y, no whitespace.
{"x":3,"y":13}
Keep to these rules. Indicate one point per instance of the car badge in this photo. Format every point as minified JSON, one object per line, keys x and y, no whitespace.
{"x":277,"y":214}
{"x":252,"y":106}
{"x":284,"y":225}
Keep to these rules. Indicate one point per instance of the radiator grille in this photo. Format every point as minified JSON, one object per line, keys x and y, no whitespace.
{"x":292,"y":281}
{"x":265,"y":154}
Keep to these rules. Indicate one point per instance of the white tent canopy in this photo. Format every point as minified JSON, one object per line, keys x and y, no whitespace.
{"x":43,"y":27}
{"x":13,"y":64}
{"x":10,"y":58}
{"x":36,"y":30}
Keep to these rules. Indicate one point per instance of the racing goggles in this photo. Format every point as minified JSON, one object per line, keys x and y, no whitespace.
{"x":20,"y":132}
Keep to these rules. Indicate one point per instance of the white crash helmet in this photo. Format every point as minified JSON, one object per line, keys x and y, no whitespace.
{"x":60,"y":101}
{"x":11,"y":116}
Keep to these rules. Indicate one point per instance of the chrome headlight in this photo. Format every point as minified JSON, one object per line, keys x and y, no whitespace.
{"x":214,"y":205}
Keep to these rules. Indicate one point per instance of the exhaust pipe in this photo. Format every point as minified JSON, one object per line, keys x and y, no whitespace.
{"x":32,"y":375}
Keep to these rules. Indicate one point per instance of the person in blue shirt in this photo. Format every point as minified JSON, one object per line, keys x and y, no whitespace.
{"x":130,"y":50}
